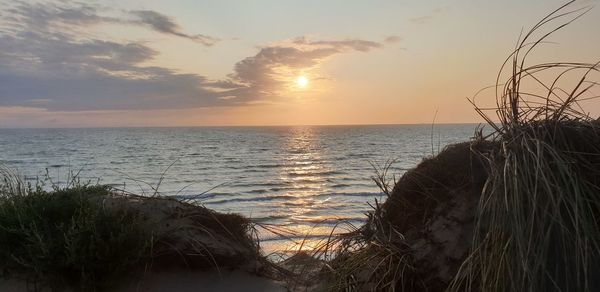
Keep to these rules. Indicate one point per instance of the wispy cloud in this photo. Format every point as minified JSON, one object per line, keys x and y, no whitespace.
{"x":392,"y":39}
{"x":49,"y":15}
{"x":267,"y":73}
{"x":429,"y":17}
{"x":421,"y":19}
{"x":164,"y":24}
{"x":42,"y":16}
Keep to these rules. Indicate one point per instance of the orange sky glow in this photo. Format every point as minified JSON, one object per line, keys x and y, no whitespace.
{"x":213,"y":63}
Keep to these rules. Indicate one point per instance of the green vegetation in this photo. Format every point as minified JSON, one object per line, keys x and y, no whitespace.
{"x":64,"y":238}
{"x":93,"y":238}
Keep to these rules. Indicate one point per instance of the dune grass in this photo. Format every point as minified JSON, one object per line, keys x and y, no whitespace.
{"x":62,"y":239}
{"x":537,"y":225}
{"x":90,"y":237}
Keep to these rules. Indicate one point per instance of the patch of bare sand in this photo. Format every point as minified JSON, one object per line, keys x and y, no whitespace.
{"x":190,"y":281}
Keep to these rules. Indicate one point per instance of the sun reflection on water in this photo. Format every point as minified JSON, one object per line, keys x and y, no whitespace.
{"x":304,"y":169}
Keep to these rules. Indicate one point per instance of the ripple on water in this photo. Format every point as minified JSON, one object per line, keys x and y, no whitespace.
{"x":298,"y":177}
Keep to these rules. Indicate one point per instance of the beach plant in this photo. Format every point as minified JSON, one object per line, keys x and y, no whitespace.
{"x":64,"y":239}
{"x":90,"y":237}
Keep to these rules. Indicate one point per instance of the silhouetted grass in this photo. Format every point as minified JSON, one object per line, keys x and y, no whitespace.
{"x":537,"y":224}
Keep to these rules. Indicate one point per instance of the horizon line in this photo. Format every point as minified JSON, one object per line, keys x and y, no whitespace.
{"x":242,"y":126}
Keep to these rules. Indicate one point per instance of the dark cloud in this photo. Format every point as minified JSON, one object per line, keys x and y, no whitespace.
{"x":47,"y":15}
{"x":45,"y":63}
{"x":41,"y":53}
{"x":164,"y":24}
{"x":105,"y":92}
{"x":41,"y":16}
{"x":70,"y":75}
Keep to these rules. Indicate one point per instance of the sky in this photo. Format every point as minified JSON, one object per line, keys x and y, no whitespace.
{"x":204,"y":63}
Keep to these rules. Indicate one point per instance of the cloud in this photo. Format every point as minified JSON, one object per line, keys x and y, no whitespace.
{"x":164,"y":24}
{"x":57,"y":54}
{"x":354,"y":44}
{"x":428,"y":18}
{"x":93,"y":75}
{"x":41,"y":16}
{"x":421,"y":19}
{"x":267,"y":73}
{"x":48,"y":62}
{"x":45,"y":62}
{"x":48,"y":15}
{"x":392,"y":39}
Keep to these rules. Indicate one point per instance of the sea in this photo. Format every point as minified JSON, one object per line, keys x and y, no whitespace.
{"x":301,"y":179}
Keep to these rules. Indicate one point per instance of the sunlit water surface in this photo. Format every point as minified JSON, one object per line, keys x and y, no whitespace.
{"x":306,"y":178}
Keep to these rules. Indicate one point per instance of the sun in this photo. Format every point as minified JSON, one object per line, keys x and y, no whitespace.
{"x":301,"y":81}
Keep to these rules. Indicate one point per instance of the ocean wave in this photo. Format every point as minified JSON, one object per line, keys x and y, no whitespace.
{"x":57,"y":165}
{"x":308,"y":172}
{"x":269,"y":218}
{"x":258,"y":191}
{"x":359,"y":194}
{"x":327,"y":221}
{"x":310,"y":234}
{"x":207,"y":198}
{"x":251,"y":199}
{"x":201,"y":197}
{"x":260,"y":184}
{"x":294,"y":188}
{"x":273,"y":165}
{"x":275,"y":237}
{"x":341,"y":185}
{"x":360,"y":155}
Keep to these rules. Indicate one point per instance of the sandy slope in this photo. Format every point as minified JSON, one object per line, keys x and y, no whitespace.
{"x":184,"y":281}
